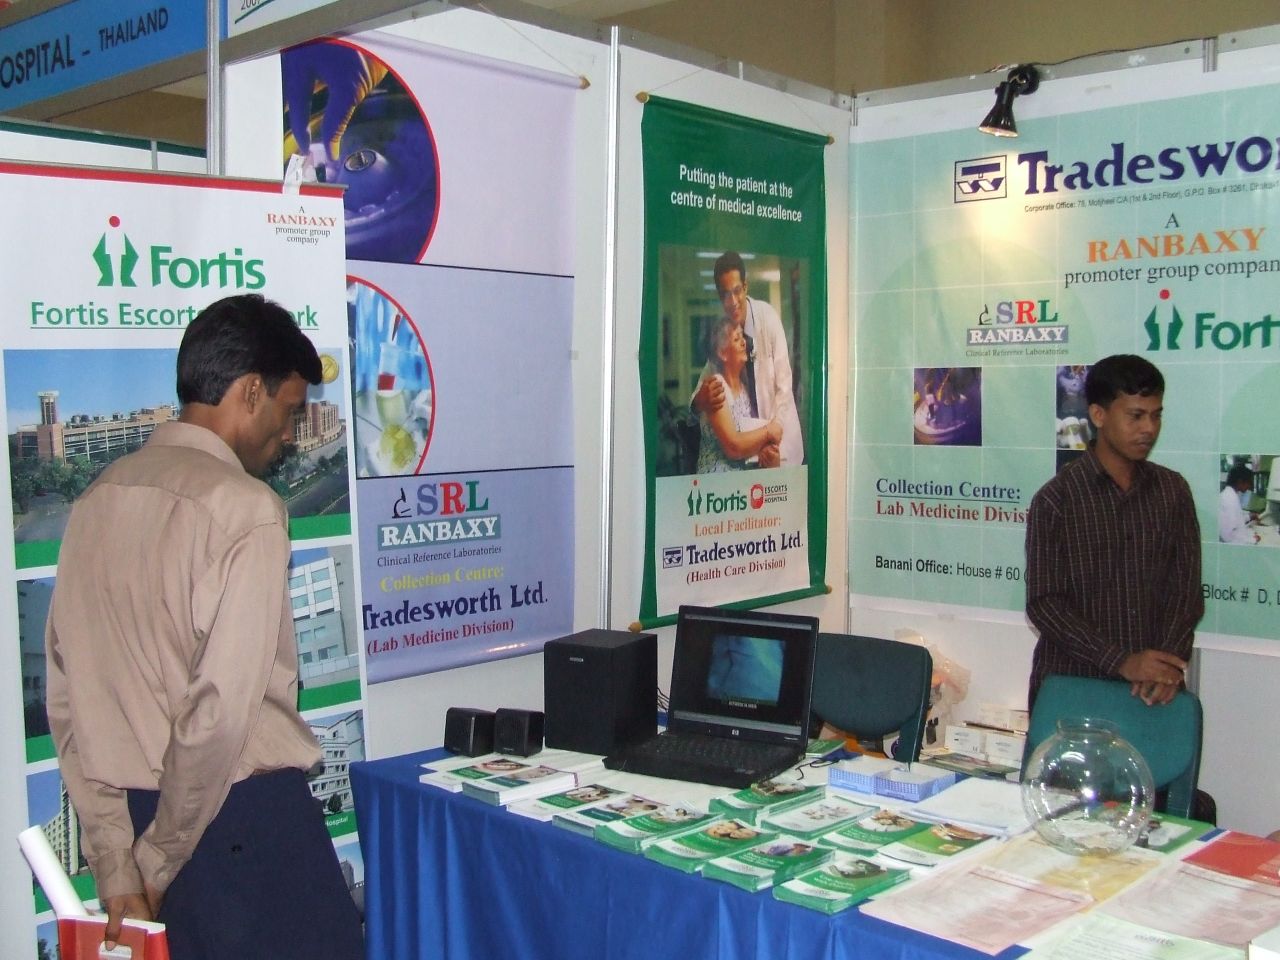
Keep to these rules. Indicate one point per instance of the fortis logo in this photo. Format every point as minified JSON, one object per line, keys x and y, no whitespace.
{"x":1165,"y":330}
{"x":711,"y":504}
{"x":224,"y":270}
{"x":1172,"y":326}
{"x":107,"y":276}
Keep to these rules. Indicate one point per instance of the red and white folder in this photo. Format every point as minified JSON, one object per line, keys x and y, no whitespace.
{"x":79,"y":932}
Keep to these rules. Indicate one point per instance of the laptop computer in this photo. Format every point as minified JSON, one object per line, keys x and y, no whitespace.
{"x":741,"y":682}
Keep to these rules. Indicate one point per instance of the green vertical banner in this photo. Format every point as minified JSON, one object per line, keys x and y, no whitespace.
{"x":734,"y":295}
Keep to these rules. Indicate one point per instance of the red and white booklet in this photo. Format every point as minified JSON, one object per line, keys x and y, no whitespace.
{"x":1241,"y":855}
{"x":80,"y":938}
{"x":79,"y":932}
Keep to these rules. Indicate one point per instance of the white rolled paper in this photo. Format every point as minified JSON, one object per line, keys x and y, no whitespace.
{"x":49,"y":873}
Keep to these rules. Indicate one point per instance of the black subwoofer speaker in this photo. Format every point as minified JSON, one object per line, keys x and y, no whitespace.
{"x":600,"y":690}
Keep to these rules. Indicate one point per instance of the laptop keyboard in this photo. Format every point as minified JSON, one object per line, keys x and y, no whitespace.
{"x":705,"y":759}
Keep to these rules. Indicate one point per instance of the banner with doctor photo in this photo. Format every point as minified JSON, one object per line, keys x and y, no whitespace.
{"x":991,"y":276}
{"x":732,"y":360}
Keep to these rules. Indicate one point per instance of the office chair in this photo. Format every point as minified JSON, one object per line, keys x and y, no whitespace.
{"x":870,"y":687}
{"x":1168,"y":736}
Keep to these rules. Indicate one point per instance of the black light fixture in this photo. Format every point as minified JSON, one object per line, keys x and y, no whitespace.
{"x":1022,"y":79}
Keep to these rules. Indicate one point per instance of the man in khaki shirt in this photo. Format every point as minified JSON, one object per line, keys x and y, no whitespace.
{"x":173,"y":666}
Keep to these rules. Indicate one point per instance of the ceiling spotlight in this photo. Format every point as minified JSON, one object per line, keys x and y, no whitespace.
{"x":1022,"y":79}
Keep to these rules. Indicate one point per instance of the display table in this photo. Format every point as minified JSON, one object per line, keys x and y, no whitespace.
{"x":447,"y":876}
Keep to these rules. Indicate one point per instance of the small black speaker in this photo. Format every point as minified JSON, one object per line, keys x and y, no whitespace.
{"x":517,"y":732}
{"x":468,"y":731}
{"x":600,"y":690}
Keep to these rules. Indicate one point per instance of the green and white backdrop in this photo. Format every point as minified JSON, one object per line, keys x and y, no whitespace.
{"x":988,"y":271}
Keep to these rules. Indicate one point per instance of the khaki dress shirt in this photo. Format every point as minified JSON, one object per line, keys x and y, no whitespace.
{"x":172,"y":663}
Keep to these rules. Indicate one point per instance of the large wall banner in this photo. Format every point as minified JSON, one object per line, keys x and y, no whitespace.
{"x":110,"y":268}
{"x":459,"y":312}
{"x":992,"y":273}
{"x":733,"y":346}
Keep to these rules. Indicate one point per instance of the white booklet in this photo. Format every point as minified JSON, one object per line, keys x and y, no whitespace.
{"x":1095,"y":936}
{"x":544,"y":808}
{"x":988,"y":910}
{"x":450,"y":773}
{"x":453,"y":779}
{"x":521,"y":785}
{"x":993,"y":806}
{"x":1201,"y":904}
{"x":816,"y":817}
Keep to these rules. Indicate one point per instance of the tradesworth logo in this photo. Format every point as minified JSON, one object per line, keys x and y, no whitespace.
{"x":226,"y":269}
{"x":982,"y":178}
{"x":1165,"y":330}
{"x":1240,"y":164}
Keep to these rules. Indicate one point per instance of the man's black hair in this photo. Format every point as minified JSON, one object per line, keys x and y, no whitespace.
{"x":1239,"y":474}
{"x":1122,"y":373}
{"x":729,"y":260}
{"x":238,"y":335}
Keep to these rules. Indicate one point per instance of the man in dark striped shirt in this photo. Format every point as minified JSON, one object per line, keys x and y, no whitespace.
{"x":1113,"y":548}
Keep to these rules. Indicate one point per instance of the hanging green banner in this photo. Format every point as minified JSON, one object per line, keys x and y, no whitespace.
{"x":733,"y":349}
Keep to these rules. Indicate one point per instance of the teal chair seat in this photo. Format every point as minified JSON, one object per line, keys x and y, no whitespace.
{"x":1167,"y":736}
{"x":870,"y":687}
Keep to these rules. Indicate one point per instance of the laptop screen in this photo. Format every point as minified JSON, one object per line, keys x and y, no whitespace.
{"x":743,"y":673}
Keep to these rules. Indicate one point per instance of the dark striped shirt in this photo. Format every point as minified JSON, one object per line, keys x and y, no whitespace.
{"x":1111,"y":572}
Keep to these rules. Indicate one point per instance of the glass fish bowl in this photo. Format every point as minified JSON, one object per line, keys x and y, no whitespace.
{"x":1087,"y":790}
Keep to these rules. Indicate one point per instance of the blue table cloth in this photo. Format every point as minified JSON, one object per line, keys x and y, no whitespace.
{"x":448,"y":876}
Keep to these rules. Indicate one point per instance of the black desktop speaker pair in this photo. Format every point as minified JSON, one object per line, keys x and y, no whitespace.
{"x":471,"y":732}
{"x":600,"y":690}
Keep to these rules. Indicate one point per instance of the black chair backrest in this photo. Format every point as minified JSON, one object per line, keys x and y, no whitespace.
{"x":870,"y":687}
{"x":1168,"y":736}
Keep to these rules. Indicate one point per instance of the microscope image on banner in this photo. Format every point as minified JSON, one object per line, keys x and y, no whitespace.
{"x":392,"y":382}
{"x":948,"y":406}
{"x":349,"y":120}
{"x":1073,"y":428}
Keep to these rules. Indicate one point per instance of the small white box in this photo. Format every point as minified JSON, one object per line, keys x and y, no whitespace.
{"x":966,"y":740}
{"x":1005,"y":748}
{"x":1265,"y":946}
{"x":992,"y":715}
{"x":1005,"y":718}
{"x":914,"y":784}
{"x":859,"y":773}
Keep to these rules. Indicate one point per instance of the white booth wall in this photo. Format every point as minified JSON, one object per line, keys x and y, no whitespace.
{"x":408,"y":714}
{"x":1234,"y":676}
{"x":1231,"y":673}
